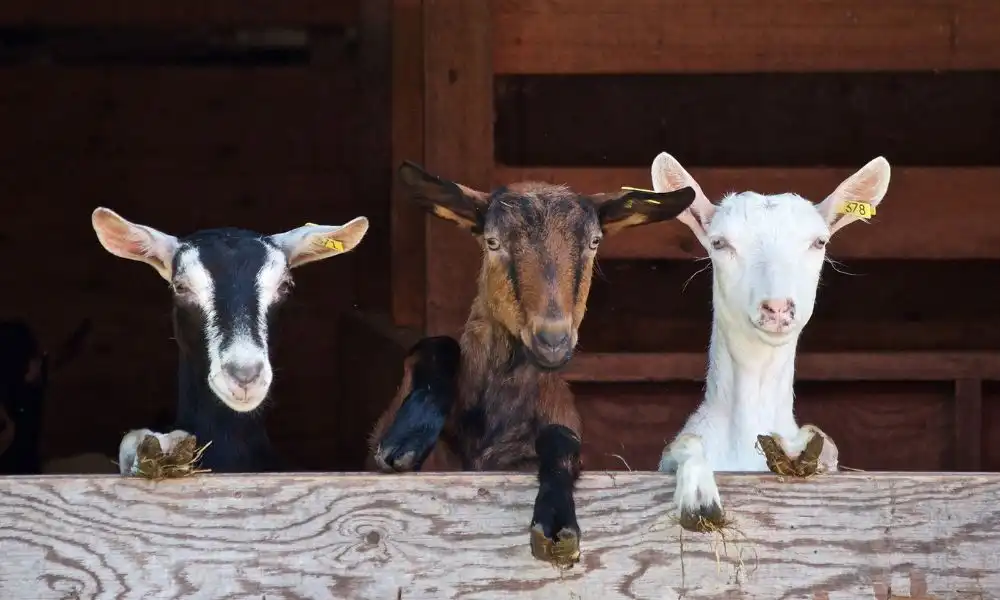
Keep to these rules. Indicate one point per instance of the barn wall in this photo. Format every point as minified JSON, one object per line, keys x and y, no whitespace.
{"x":152,"y":119}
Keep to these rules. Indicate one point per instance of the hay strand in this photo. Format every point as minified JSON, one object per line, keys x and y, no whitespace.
{"x":181,"y":461}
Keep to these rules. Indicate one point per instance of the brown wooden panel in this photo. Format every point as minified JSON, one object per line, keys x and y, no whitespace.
{"x":871,"y":305}
{"x":968,"y":424}
{"x":458,"y":145}
{"x":628,"y":367}
{"x":632,"y":420}
{"x":891,"y":425}
{"x":883,"y":426}
{"x":657,"y":36}
{"x":914,"y":220}
{"x":291,"y":118}
{"x":990,"y":426}
{"x":179,"y":12}
{"x":750,"y":120}
{"x":409,"y":253}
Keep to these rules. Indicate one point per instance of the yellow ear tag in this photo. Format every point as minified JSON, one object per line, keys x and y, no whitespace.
{"x":862,"y":210}
{"x":628,"y":203}
{"x":330,"y":243}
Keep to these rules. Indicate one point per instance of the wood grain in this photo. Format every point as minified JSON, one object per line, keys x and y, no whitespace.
{"x":659,"y":36}
{"x":840,"y":537}
{"x":912,"y":222}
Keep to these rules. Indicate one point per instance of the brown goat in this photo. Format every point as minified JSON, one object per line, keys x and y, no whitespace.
{"x":496,"y":402}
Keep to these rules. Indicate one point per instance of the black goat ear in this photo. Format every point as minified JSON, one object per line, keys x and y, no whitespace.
{"x":445,"y":199}
{"x":630,"y":207}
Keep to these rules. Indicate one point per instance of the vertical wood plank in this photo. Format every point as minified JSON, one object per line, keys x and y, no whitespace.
{"x":968,"y":424}
{"x":374,"y":144}
{"x":458,"y":142}
{"x":407,"y":220}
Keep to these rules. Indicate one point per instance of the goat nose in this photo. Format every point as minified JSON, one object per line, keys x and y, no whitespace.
{"x":777,"y":306}
{"x":245,"y":374}
{"x":553,"y":338}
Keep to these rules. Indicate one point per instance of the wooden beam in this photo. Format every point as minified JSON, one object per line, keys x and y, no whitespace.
{"x":409,"y":272}
{"x":458,"y":141}
{"x":445,"y":536}
{"x":715,"y":36}
{"x":177,"y":13}
{"x":839,"y":366}
{"x":969,"y":424}
{"x":928,"y":213}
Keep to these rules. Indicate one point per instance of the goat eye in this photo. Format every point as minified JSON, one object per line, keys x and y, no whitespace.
{"x":595,"y":242}
{"x":285,"y":286}
{"x":492,"y":243}
{"x":180,"y":288}
{"x":719,"y":244}
{"x":819,"y":244}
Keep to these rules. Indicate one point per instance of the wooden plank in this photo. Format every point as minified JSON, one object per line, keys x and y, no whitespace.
{"x":409,"y":253}
{"x":188,"y":13}
{"x":834,"y":366}
{"x":877,"y":425}
{"x":280,"y":117}
{"x":781,"y":119}
{"x":659,"y":36}
{"x":927,"y":213}
{"x":458,"y":141}
{"x":969,"y":423}
{"x":437,"y":537}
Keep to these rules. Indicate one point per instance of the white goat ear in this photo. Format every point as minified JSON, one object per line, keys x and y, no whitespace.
{"x":669,"y":175}
{"x":312,"y":242}
{"x":135,"y":242}
{"x":867,"y":186}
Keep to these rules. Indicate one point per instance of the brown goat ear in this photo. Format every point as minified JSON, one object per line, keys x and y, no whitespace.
{"x":445,"y":199}
{"x":630,"y":207}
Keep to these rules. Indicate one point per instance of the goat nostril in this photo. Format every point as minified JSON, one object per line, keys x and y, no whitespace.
{"x":775,"y":306}
{"x":553,"y":339}
{"x":245,"y":374}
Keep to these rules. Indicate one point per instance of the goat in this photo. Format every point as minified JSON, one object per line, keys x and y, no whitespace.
{"x":495,"y":401}
{"x":767,"y":252}
{"x":227,"y":285}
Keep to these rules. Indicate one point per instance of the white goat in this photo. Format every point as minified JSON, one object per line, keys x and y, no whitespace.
{"x":767,"y":252}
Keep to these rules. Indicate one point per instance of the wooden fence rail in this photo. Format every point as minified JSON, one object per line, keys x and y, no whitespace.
{"x":847,"y":536}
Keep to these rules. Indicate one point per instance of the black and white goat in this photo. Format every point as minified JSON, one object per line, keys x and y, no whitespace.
{"x":227,"y":285}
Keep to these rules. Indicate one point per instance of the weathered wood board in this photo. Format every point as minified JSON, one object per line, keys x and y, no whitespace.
{"x":434,"y":536}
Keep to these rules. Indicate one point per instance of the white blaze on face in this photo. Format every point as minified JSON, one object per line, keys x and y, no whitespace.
{"x":239,"y":369}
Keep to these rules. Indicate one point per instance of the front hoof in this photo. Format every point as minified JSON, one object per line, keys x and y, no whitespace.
{"x":806,"y":464}
{"x":563,"y":551}
{"x":704,"y":519}
{"x":393,"y":459}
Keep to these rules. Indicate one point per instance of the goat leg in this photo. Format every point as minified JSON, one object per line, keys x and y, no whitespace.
{"x":555,"y":533}
{"x":432,"y":372}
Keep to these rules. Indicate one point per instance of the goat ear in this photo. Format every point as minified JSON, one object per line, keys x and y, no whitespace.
{"x":445,"y":199}
{"x":135,"y":242}
{"x":867,"y":186}
{"x":668,"y":174}
{"x":312,"y":242}
{"x":630,"y":207}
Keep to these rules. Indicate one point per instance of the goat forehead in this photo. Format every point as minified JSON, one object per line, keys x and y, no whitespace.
{"x":231,"y":258}
{"x":779,"y":217}
{"x":539,"y":212}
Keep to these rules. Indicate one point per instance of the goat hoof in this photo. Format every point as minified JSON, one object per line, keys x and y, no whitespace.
{"x":562,"y":551}
{"x":394,"y":459}
{"x":805,"y":464}
{"x":704,"y":519}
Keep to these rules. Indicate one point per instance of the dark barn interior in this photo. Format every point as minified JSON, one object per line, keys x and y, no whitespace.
{"x":270,"y":115}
